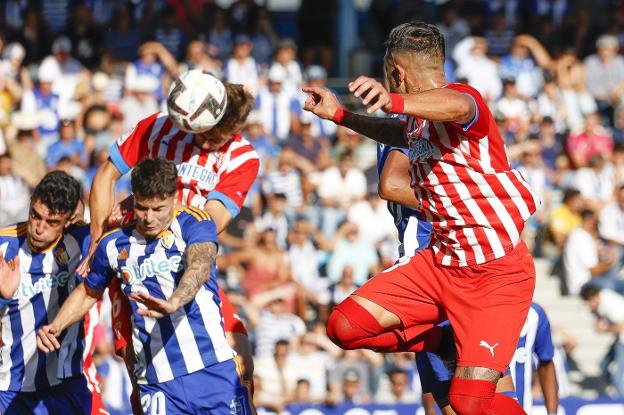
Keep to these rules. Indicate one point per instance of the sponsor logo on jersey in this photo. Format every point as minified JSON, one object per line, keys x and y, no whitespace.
{"x":123,"y":255}
{"x":136,"y":273}
{"x":49,"y":282}
{"x":205,"y":176}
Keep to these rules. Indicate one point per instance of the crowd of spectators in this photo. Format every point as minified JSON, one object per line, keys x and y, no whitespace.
{"x":75,"y":77}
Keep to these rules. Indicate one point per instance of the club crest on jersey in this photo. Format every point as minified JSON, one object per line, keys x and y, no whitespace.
{"x":61,"y":256}
{"x":167,"y":239}
{"x":420,"y":149}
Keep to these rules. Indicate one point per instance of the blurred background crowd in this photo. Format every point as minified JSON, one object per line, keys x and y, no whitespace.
{"x":77,"y":75}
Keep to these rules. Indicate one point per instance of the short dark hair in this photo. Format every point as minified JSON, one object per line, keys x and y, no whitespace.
{"x":239,"y":105}
{"x":59,"y":191}
{"x":589,"y":290}
{"x":151,"y":178}
{"x":587,"y":214}
{"x":569,"y":194}
{"x":416,"y":36}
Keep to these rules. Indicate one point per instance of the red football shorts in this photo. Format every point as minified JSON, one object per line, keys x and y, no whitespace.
{"x":231,"y":320}
{"x":122,"y":324}
{"x":486,"y":304}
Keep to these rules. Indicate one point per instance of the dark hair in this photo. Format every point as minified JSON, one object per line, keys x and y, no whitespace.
{"x":587,"y":214}
{"x":58,"y":191}
{"x":569,"y":194}
{"x":420,"y":37}
{"x":588,"y":291}
{"x":152,"y":178}
{"x":396,"y":371}
{"x":239,"y":105}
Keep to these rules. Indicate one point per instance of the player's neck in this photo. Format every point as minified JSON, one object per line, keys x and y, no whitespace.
{"x":425,"y":82}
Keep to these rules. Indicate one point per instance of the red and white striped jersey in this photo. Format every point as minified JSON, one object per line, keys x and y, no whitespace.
{"x":475,"y":201}
{"x":225,"y":175}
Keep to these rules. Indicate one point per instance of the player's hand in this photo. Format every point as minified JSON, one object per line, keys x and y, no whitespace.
{"x":155,"y":307}
{"x":321,"y":102}
{"x":85,"y":266}
{"x":120,"y":213}
{"x":47,"y":338}
{"x":9,"y":277}
{"x":372,"y":93}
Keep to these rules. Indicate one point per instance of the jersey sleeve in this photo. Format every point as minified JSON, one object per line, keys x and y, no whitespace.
{"x":479,"y":126}
{"x":544,"y":348}
{"x":101,"y":274}
{"x":197,"y":227}
{"x":235,"y":183}
{"x":133,"y":147}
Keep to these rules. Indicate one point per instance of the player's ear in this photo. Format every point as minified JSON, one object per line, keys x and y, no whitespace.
{"x":398,"y":76}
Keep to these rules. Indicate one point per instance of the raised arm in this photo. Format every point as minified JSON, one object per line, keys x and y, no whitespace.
{"x":73,"y":310}
{"x":323,"y":103}
{"x":200,"y":257}
{"x":437,"y":104}
{"x":101,"y":200}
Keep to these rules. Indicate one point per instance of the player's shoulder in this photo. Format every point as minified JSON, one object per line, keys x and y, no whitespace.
{"x":12,"y":234}
{"x":240,"y":145}
{"x":121,"y":232}
{"x":78,"y":230}
{"x":465,"y":88}
{"x":539,"y":310}
{"x":190,"y":214}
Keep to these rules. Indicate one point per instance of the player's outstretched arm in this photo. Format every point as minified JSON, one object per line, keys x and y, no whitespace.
{"x":101,"y":200}
{"x":550,"y":389}
{"x":73,"y":310}
{"x":9,"y":277}
{"x":200,"y":257}
{"x":323,"y":103}
{"x":437,"y":104}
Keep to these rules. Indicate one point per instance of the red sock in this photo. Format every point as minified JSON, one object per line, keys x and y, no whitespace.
{"x":478,"y":397}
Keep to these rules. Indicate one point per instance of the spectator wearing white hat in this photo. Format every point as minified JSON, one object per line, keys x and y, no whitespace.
{"x":27,"y":163}
{"x":279,"y":110}
{"x":241,"y":68}
{"x":316,"y":76}
{"x":63,"y":70}
{"x":13,"y":70}
{"x":140,"y":102}
{"x":285,"y":57}
{"x":45,"y":103}
{"x":605,"y":74}
{"x":14,"y":194}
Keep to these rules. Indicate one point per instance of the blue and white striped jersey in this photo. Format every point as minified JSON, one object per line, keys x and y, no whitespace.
{"x":188,"y":340}
{"x":534,"y":346}
{"x":47,"y":278}
{"x":414,"y":231}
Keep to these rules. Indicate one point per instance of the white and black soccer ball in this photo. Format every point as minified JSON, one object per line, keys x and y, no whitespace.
{"x":196,"y":101}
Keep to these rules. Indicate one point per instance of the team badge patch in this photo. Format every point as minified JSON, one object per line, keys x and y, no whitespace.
{"x":167,"y":239}
{"x":61,"y":256}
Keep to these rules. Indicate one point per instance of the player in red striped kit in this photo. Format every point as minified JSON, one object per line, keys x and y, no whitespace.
{"x":215,"y":171}
{"x":476,"y":272}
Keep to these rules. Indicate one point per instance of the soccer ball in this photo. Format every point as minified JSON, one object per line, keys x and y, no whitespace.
{"x":196,"y":101}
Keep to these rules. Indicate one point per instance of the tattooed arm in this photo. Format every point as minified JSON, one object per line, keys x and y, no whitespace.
{"x":199,"y":259}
